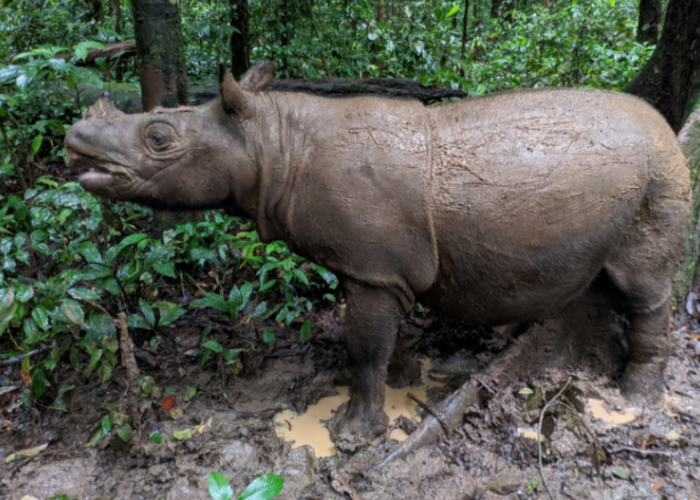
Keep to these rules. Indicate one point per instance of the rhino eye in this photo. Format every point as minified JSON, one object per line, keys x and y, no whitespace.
{"x":158,"y":139}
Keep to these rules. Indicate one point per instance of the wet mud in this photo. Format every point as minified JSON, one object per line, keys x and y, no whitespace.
{"x":493,"y":454}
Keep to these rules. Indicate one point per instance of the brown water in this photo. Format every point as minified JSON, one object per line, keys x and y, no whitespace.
{"x":309,"y":429}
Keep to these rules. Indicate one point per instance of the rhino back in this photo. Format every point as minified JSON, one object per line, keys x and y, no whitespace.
{"x":530,"y":191}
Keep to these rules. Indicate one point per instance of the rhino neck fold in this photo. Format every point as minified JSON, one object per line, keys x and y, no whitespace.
{"x":277,"y":144}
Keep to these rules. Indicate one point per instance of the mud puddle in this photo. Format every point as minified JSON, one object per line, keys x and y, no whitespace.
{"x":309,"y":428}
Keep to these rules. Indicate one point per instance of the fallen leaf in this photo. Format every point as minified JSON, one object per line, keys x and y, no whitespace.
{"x":168,"y":401}
{"x":176,"y":414}
{"x":620,"y":472}
{"x":656,"y":485}
{"x":504,"y":490}
{"x":30,"y":452}
{"x":340,"y":485}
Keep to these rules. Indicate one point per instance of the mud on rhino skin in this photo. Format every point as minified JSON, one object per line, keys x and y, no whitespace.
{"x":492,"y":210}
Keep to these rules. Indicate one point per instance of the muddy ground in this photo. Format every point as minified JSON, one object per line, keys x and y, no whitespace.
{"x":491,"y":455}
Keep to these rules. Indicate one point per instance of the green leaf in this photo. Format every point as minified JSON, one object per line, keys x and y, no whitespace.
{"x":66,"y":397}
{"x":96,"y":355}
{"x":41,"y":317}
{"x":165,"y":269}
{"x":155,"y":437}
{"x":213,"y":346}
{"x":329,"y":297}
{"x":83,"y":294}
{"x":526,"y":391}
{"x":39,"y":383}
{"x":137,"y":321}
{"x":621,"y":472}
{"x":124,"y":432}
{"x":453,"y":11}
{"x":263,"y":488}
{"x":169,"y":312}
{"x":98,"y":326}
{"x":219,"y":489}
{"x":8,"y":307}
{"x":72,"y":311}
{"x":36,"y":144}
{"x":82,"y":48}
{"x":189,"y":394}
{"x":106,"y":425}
{"x":305,"y":331}
{"x":148,"y":313}
{"x":24,"y":293}
{"x":132,"y":239}
{"x":268,"y":335}
{"x":95,"y":436}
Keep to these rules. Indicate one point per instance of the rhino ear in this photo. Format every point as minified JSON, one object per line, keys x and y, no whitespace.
{"x":259,"y":77}
{"x":234,"y":99}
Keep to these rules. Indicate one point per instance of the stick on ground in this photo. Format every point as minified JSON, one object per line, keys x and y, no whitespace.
{"x":132,"y":372}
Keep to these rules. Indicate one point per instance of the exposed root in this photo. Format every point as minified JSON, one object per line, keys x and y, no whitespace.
{"x":132,"y":372}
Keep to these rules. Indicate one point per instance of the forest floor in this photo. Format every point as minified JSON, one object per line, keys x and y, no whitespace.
{"x":656,"y":454}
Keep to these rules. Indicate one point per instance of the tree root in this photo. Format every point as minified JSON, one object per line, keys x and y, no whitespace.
{"x":132,"y":372}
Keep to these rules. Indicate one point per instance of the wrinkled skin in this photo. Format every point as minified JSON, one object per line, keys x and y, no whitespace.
{"x":492,"y":210}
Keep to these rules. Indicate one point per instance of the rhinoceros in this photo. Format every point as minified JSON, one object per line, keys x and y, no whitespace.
{"x":492,"y":210}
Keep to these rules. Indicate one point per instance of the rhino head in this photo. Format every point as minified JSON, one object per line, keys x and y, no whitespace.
{"x":192,"y":157}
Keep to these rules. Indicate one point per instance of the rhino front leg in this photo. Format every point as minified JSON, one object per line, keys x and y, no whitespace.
{"x":371,"y":325}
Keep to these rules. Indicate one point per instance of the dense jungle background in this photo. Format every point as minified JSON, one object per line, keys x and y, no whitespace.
{"x":228,"y":331}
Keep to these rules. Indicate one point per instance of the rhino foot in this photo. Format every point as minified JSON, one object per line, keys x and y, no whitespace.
{"x":643,"y":383}
{"x":352,"y":432}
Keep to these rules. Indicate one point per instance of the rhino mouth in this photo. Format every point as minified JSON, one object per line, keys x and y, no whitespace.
{"x":96,"y":174}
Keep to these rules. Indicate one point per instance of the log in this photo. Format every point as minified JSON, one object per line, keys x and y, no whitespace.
{"x":128,"y":49}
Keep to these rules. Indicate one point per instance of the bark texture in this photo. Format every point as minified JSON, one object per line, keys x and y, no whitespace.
{"x":649,"y":19}
{"x":689,"y":141}
{"x":160,"y":50}
{"x":670,"y":81}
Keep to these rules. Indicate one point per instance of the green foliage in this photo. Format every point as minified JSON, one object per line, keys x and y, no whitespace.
{"x":263,"y":488}
{"x":90,"y":270}
{"x":114,"y":423}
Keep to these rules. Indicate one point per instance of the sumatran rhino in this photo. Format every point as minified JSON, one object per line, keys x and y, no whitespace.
{"x":492,"y":210}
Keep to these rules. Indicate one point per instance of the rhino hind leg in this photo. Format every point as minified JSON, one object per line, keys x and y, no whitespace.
{"x":642,"y":269}
{"x":371,"y":323}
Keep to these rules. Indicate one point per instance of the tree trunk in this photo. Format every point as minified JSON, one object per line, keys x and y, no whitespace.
{"x":670,"y":80}
{"x":689,"y":140}
{"x":498,"y":7}
{"x":464,"y":25}
{"x":97,"y":13}
{"x":117,"y":17}
{"x":380,"y":11}
{"x":545,"y":4}
{"x":160,"y":51}
{"x":240,"y":46}
{"x":649,"y":19}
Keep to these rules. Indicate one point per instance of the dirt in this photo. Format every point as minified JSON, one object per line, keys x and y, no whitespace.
{"x":493,"y":454}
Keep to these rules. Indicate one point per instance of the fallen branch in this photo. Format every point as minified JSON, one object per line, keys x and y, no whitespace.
{"x":484,"y":384}
{"x":453,"y":408}
{"x":8,"y":389}
{"x":641,"y":452}
{"x":132,"y":371}
{"x":435,"y":412}
{"x":18,"y":359}
{"x":539,"y":430}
